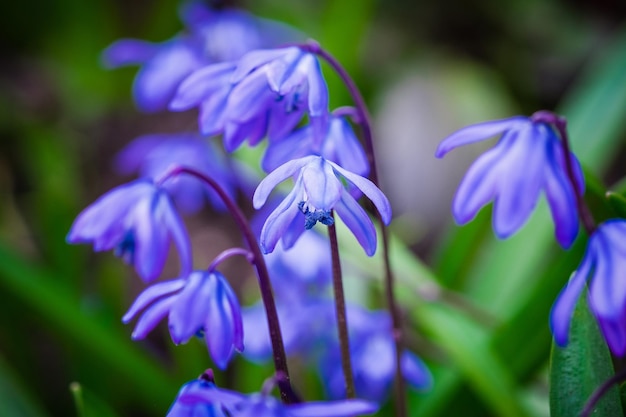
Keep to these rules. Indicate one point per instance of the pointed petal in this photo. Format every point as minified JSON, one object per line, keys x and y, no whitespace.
{"x":150,"y":239}
{"x":478,"y":132}
{"x":358,"y":222}
{"x":563,"y":307}
{"x":130,"y":159}
{"x":318,"y":91}
{"x":220,"y":324}
{"x":253,"y":60}
{"x":342,"y":147}
{"x":294,"y":146}
{"x":250,"y":98}
{"x":614,"y":332}
{"x":176,"y":228}
{"x":370,"y":190}
{"x":415,"y":371}
{"x":280,"y":219}
{"x":344,"y":408}
{"x":128,"y":52}
{"x":277,"y":176}
{"x":224,"y":397}
{"x":151,"y":317}
{"x":607,"y":290}
{"x":190,"y":311}
{"x":201,"y":84}
{"x":323,"y":189}
{"x":150,"y":295}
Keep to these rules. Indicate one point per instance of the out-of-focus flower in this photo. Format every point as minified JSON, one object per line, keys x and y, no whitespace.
{"x":211,"y":36}
{"x":603,"y":265}
{"x":153,"y":155}
{"x":201,"y":303}
{"x":138,"y":220}
{"x":373,"y":356}
{"x":527,"y":159}
{"x":318,"y":189}
{"x":196,"y":409}
{"x":339,"y":144}
{"x":263,"y":405}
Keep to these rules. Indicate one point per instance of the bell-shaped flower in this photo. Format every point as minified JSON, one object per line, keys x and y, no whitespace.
{"x":373,"y":357}
{"x":153,"y":155}
{"x":339,"y":144}
{"x":603,"y":268}
{"x":138,"y":221}
{"x":201,"y":303}
{"x":264,"y":405}
{"x":212,"y":36}
{"x":318,"y":189}
{"x":527,"y":159}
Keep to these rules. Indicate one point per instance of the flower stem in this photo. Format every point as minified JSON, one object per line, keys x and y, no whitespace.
{"x":265,"y":286}
{"x":364,"y":120}
{"x":340,"y":307}
{"x":228,"y":253}
{"x":601,"y":391}
{"x":560,"y":123}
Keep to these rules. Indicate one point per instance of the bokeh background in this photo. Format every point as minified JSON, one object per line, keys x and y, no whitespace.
{"x":425,"y":67}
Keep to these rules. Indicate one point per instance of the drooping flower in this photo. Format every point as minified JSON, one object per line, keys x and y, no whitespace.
{"x":602,"y":266}
{"x":318,"y":189}
{"x":212,"y":36}
{"x":265,"y":94}
{"x":527,"y":159}
{"x":339,"y":144}
{"x":201,"y":303}
{"x":138,"y":221}
{"x":264,"y":405}
{"x":153,"y":155}
{"x":373,"y":357}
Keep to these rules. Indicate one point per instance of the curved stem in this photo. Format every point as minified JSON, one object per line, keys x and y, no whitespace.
{"x":228,"y":253}
{"x":600,"y":391}
{"x":340,"y":307}
{"x":265,"y":286}
{"x":366,"y":127}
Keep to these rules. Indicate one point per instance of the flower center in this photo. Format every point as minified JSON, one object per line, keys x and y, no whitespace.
{"x":313,"y":215}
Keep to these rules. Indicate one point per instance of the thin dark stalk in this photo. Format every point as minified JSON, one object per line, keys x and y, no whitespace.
{"x":601,"y":391}
{"x":340,"y":307}
{"x":229,"y":253}
{"x":364,"y":120}
{"x":265,"y":286}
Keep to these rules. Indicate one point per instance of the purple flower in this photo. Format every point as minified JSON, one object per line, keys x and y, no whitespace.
{"x":263,"y":405}
{"x":527,"y":159}
{"x":603,"y":265}
{"x":212,"y":36}
{"x":154,"y":155}
{"x":196,"y":409}
{"x":372,"y":351}
{"x":318,"y":189}
{"x":265,"y":94}
{"x":138,"y":220}
{"x":339,"y":144}
{"x":201,"y":303}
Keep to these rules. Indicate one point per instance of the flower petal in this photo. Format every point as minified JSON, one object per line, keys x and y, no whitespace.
{"x":188,"y":314}
{"x":277,"y":176}
{"x":358,"y":222}
{"x":201,"y":85}
{"x":128,"y":52}
{"x":323,"y":189}
{"x":151,"y":317}
{"x":343,"y":408}
{"x":150,"y":295}
{"x":253,"y":60}
{"x":415,"y":371}
{"x":280,"y":219}
{"x":478,"y":132}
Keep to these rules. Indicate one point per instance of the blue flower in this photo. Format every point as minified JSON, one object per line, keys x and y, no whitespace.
{"x":373,"y":357}
{"x":263,"y":405}
{"x":603,"y":265}
{"x":154,"y":155}
{"x":196,"y":409}
{"x":138,"y":221}
{"x":200,"y":304}
{"x":339,"y":144}
{"x":265,"y":94}
{"x":212,"y":36}
{"x":527,"y":159}
{"x":318,"y":189}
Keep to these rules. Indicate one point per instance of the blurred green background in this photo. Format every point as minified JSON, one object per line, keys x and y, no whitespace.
{"x":426,"y":68}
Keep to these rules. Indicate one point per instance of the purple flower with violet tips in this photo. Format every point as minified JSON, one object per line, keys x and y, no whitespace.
{"x":339,"y":144}
{"x":200,"y":303}
{"x":264,"y":405}
{"x":318,"y":189}
{"x":154,"y":155}
{"x":138,"y":221}
{"x":603,"y":266}
{"x":527,"y":159}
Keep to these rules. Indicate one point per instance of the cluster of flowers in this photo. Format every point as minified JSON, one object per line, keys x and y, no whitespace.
{"x":247,"y":88}
{"x":531,"y":156}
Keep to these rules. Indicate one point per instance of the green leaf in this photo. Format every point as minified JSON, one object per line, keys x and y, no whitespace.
{"x":15,"y":400}
{"x":581,"y":367}
{"x":617,"y":203}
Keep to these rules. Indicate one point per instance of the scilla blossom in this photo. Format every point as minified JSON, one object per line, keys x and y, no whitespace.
{"x":138,"y":221}
{"x":201,"y":303}
{"x":527,"y":159}
{"x":318,"y":189}
{"x":603,"y":267}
